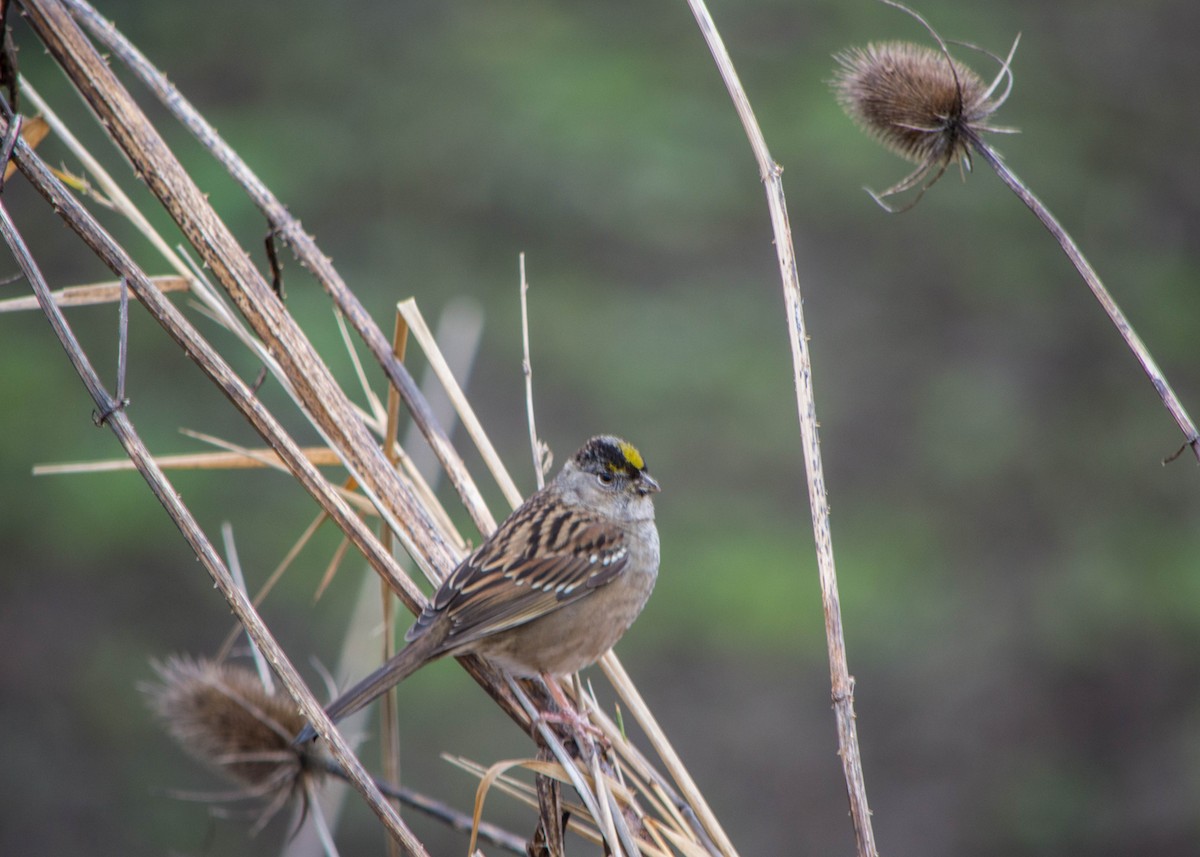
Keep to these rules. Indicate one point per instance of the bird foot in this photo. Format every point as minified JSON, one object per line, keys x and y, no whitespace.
{"x":572,"y":719}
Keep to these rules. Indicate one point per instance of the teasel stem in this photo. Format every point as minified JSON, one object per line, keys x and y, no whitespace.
{"x":453,"y":818}
{"x":1174,"y":407}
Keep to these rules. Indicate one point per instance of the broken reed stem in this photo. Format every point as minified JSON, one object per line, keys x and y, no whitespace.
{"x":124,"y":430}
{"x":112,"y":101}
{"x":322,"y":399}
{"x":242,"y":397}
{"x":290,"y":230}
{"x":213,"y":365}
{"x":319,"y":395}
{"x":841,"y":680}
{"x":1142,"y":354}
{"x":260,"y":306}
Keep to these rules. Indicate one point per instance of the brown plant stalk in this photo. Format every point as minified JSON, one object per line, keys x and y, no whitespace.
{"x":318,"y":394}
{"x":288,"y":228}
{"x":320,"y":266}
{"x":123,"y":428}
{"x":327,"y":405}
{"x":842,"y":682}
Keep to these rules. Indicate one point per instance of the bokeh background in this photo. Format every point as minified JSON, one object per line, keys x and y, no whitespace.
{"x":1020,"y":575}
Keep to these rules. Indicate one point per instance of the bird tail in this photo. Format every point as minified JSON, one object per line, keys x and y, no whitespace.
{"x":395,"y":670}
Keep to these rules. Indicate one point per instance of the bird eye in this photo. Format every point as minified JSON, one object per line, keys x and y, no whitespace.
{"x":605,"y":478}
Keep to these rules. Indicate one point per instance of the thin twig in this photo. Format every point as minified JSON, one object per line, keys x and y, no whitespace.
{"x":122,"y":338}
{"x":122,"y":342}
{"x":842,"y":683}
{"x":1142,"y":354}
{"x":233,"y":561}
{"x":535,"y":445}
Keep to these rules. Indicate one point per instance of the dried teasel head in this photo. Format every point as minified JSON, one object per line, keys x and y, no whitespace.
{"x":920,"y":102}
{"x":221,"y":715}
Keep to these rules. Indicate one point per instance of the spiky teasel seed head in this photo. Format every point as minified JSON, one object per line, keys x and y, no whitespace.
{"x":920,"y":102}
{"x":912,"y":99}
{"x":223,"y":716}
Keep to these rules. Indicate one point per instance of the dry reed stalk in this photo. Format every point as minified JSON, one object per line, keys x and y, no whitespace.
{"x":218,"y":371}
{"x":396,"y":497}
{"x":127,"y":435}
{"x":322,"y":399}
{"x":771,"y":174}
{"x":284,"y":225}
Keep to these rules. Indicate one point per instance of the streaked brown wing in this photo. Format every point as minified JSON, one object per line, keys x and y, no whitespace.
{"x":504,"y":584}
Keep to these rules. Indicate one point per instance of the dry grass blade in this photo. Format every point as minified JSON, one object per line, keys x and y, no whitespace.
{"x":397,"y":498}
{"x":115,"y":197}
{"x":274,"y":578}
{"x":686,"y":846}
{"x":420,"y":331}
{"x":319,"y":456}
{"x":526,"y":794}
{"x":641,"y":712}
{"x":292,"y":232}
{"x":218,"y":370}
{"x":485,"y":784}
{"x":33,"y":131}
{"x":377,"y":410}
{"x":335,"y":563}
{"x":123,"y":428}
{"x":91,"y":294}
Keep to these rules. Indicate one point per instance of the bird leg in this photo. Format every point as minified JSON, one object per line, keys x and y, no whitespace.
{"x":569,"y":716}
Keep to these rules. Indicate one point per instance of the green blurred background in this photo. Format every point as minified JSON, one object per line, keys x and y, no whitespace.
{"x":1020,"y":576}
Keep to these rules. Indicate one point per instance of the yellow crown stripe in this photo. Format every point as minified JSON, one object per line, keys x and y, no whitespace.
{"x":632,"y":455}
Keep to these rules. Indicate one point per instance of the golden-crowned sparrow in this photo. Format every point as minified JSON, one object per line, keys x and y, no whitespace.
{"x":552,"y":589}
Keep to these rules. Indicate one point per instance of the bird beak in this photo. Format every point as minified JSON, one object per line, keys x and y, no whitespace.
{"x":647,"y":485}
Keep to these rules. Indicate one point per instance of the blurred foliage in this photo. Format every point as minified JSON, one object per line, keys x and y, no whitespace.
{"x":1018,"y":572}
